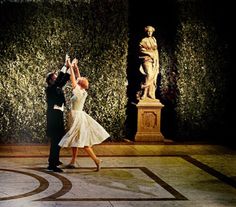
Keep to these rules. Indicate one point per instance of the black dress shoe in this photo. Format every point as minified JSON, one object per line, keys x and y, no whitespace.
{"x":54,"y":169}
{"x":59,"y":163}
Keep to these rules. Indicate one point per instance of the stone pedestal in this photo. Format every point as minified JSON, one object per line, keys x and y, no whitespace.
{"x":149,"y":121}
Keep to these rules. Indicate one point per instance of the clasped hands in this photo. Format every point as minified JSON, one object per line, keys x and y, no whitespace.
{"x":73,"y":65}
{"x":68,"y":63}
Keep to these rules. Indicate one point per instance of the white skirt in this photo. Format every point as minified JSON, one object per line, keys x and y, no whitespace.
{"x":84,"y":131}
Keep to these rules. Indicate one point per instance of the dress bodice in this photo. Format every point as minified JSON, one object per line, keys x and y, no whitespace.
{"x":78,"y":98}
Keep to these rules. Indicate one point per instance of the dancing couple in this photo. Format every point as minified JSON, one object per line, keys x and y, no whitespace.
{"x":84,"y":131}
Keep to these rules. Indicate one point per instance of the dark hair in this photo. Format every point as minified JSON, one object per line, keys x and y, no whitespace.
{"x":49,"y":77}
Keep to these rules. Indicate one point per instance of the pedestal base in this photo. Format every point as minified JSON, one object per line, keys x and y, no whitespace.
{"x":148,"y":137}
{"x":149,"y":121}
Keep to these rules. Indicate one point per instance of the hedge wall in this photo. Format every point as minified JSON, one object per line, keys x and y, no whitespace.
{"x":205,"y":77}
{"x":196,"y":82}
{"x":35,"y":36}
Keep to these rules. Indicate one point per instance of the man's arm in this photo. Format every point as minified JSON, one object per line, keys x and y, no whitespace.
{"x":63,"y":76}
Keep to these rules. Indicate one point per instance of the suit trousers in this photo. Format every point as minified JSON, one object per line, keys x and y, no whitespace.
{"x":57,"y":131}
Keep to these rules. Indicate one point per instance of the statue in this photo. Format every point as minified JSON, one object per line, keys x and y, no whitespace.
{"x":149,"y":67}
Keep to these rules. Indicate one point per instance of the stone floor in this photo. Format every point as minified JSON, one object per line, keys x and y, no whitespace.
{"x":132,"y":174}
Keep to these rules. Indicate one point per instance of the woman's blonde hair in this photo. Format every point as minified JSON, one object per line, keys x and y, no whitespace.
{"x":83,"y":82}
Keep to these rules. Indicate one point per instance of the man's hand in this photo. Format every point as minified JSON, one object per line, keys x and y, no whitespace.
{"x":67,"y":61}
{"x":67,"y":57}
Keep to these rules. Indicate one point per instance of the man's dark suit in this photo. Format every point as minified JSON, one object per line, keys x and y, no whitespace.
{"x":55,"y":119}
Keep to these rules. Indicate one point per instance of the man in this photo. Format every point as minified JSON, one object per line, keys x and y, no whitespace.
{"x":55,"y":118}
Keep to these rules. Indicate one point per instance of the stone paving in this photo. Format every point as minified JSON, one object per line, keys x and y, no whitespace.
{"x":166,"y":176}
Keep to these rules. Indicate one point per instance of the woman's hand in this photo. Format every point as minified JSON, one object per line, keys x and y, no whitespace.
{"x":75,"y":67}
{"x":74,"y":62}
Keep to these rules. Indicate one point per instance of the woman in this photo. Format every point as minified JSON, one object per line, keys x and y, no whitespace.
{"x":149,"y":63}
{"x":84,"y":131}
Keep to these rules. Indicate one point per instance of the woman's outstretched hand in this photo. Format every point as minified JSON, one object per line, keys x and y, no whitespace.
{"x":75,"y":67}
{"x":75,"y":62}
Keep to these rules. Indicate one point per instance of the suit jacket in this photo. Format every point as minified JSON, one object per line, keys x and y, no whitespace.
{"x":55,"y":96}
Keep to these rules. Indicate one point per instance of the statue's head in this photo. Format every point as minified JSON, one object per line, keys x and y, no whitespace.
{"x":149,"y":28}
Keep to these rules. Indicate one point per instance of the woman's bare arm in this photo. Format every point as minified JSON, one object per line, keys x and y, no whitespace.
{"x":72,"y":77}
{"x":76,"y":69}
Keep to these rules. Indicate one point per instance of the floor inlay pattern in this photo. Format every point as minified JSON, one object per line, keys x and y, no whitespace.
{"x":134,"y":180}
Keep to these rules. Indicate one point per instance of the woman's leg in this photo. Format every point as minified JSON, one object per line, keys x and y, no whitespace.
{"x":74,"y":155}
{"x":91,"y":153}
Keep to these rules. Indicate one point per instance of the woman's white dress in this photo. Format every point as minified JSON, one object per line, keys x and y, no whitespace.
{"x":84,"y":131}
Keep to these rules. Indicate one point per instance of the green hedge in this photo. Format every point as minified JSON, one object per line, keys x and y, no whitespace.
{"x":35,"y":37}
{"x":203,"y":78}
{"x":196,"y":76}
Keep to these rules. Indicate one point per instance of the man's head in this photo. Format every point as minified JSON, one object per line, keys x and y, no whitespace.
{"x":51,"y":77}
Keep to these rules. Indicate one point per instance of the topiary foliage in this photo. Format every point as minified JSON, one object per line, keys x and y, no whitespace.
{"x":35,"y":36}
{"x":202,"y":80}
